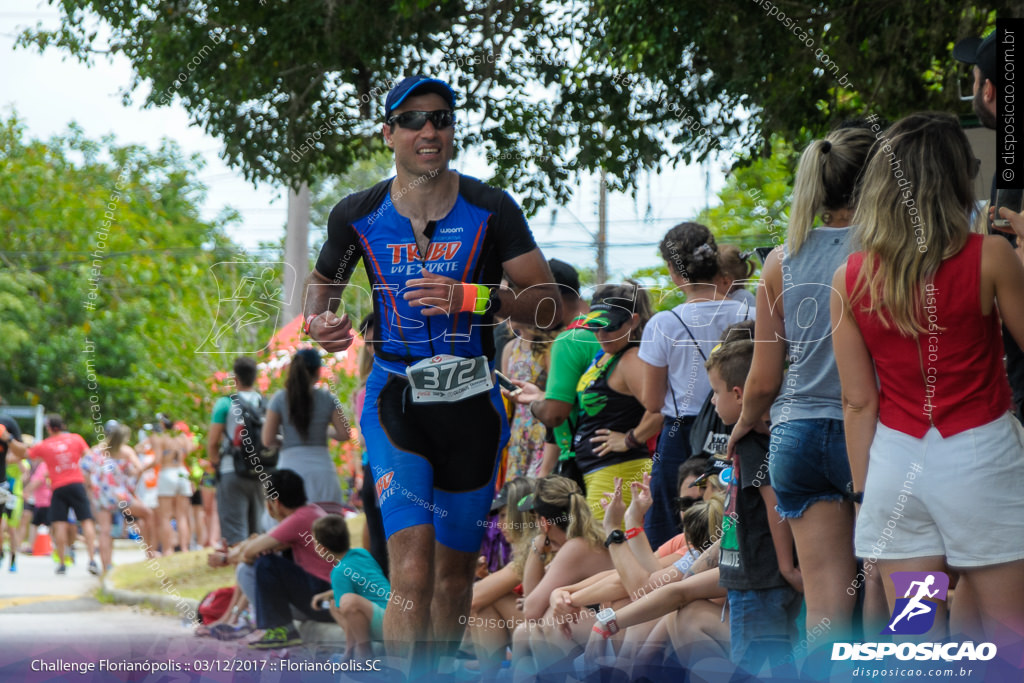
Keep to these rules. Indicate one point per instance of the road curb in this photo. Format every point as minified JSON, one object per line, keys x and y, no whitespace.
{"x":125,"y":597}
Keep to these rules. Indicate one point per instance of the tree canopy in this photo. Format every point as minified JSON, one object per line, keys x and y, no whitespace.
{"x":113,"y":288}
{"x":548,"y":90}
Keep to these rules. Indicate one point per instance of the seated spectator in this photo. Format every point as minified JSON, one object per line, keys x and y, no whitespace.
{"x":493,"y":613}
{"x":274,"y":583}
{"x":569,"y":531}
{"x":690,"y":610}
{"x":652,"y":569}
{"x":359,"y":590}
{"x":644,"y":644}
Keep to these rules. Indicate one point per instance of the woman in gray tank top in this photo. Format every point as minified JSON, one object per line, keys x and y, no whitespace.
{"x":808,"y":467}
{"x":304,"y":415}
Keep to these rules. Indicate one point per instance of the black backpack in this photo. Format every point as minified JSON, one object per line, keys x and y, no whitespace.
{"x":245,"y":447}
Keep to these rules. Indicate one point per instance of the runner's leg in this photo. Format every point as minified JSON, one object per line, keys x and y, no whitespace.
{"x":453,"y":592}
{"x":411,"y":554}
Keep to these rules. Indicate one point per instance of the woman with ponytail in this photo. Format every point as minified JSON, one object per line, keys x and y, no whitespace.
{"x":675,"y":345}
{"x":808,"y":467}
{"x":305,"y":415}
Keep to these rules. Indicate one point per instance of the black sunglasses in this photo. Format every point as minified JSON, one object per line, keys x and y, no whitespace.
{"x":684,"y":503}
{"x":415,"y":120}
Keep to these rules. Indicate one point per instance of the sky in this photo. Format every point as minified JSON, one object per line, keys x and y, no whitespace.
{"x":50,"y":90}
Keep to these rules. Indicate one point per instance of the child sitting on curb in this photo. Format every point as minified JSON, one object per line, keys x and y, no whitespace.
{"x":359,"y":590}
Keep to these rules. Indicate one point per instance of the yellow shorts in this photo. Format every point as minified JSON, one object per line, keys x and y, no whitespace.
{"x":602,"y":481}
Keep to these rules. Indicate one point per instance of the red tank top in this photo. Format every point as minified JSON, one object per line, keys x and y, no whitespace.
{"x":952,"y":376}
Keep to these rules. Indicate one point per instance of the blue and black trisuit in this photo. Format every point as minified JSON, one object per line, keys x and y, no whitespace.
{"x":432,"y":463}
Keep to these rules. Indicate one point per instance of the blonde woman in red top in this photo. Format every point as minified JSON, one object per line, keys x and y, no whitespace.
{"x":920,"y":305}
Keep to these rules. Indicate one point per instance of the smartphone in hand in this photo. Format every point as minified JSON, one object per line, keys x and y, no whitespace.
{"x":1012,"y":200}
{"x":506,"y":384}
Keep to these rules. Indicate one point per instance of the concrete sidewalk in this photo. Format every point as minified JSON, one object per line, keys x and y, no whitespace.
{"x":47,"y":618}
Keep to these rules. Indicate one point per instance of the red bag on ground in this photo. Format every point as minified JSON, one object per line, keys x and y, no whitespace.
{"x":215,"y":603}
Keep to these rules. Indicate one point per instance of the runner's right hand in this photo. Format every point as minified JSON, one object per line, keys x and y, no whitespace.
{"x":331,"y":332}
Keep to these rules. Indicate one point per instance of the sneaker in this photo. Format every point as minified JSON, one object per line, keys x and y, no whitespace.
{"x":232,"y":631}
{"x":62,"y":570}
{"x":94,"y":568}
{"x":14,"y":567}
{"x":274,"y":638}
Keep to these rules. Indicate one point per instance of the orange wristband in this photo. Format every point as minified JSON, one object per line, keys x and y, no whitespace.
{"x":474,"y":298}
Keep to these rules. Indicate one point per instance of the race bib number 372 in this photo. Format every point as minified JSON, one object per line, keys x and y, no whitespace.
{"x":445,"y":379}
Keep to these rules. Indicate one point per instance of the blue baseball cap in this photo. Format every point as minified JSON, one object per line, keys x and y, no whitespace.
{"x":420,"y":85}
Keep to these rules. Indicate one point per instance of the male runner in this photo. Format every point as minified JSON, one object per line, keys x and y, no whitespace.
{"x":62,"y":451}
{"x":434,"y":244}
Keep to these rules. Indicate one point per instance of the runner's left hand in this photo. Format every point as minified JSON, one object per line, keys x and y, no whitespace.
{"x":436,"y":294}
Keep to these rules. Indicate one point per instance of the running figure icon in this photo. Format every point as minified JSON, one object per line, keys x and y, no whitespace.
{"x":915,"y":606}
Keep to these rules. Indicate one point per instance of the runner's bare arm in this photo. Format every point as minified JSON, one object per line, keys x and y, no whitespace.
{"x":16,"y":448}
{"x":538,"y":301}
{"x":321,"y":300}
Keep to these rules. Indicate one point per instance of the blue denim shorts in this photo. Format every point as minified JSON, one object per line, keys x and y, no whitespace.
{"x":808,"y":464}
{"x":762,"y":626}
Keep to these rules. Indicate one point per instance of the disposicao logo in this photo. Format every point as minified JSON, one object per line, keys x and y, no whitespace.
{"x":914,"y":613}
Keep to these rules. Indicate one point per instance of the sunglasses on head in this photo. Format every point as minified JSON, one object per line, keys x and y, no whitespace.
{"x":415,"y":120}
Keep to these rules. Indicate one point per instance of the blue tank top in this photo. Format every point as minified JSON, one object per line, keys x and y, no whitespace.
{"x":484,"y":229}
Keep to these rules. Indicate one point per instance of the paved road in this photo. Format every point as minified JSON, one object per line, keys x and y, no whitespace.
{"x":52,"y":629}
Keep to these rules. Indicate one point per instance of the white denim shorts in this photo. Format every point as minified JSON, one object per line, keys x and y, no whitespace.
{"x":961,"y":497}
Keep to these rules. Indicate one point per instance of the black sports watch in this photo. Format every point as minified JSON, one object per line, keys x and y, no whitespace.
{"x":494,"y":304}
{"x":617,"y":536}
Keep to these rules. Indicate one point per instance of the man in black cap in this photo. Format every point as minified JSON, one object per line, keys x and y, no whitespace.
{"x":434,"y":244}
{"x":983,"y":54}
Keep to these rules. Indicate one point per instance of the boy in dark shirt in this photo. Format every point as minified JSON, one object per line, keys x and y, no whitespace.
{"x":756,"y":563}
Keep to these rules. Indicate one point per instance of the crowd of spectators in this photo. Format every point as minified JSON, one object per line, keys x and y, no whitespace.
{"x":719,"y":479}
